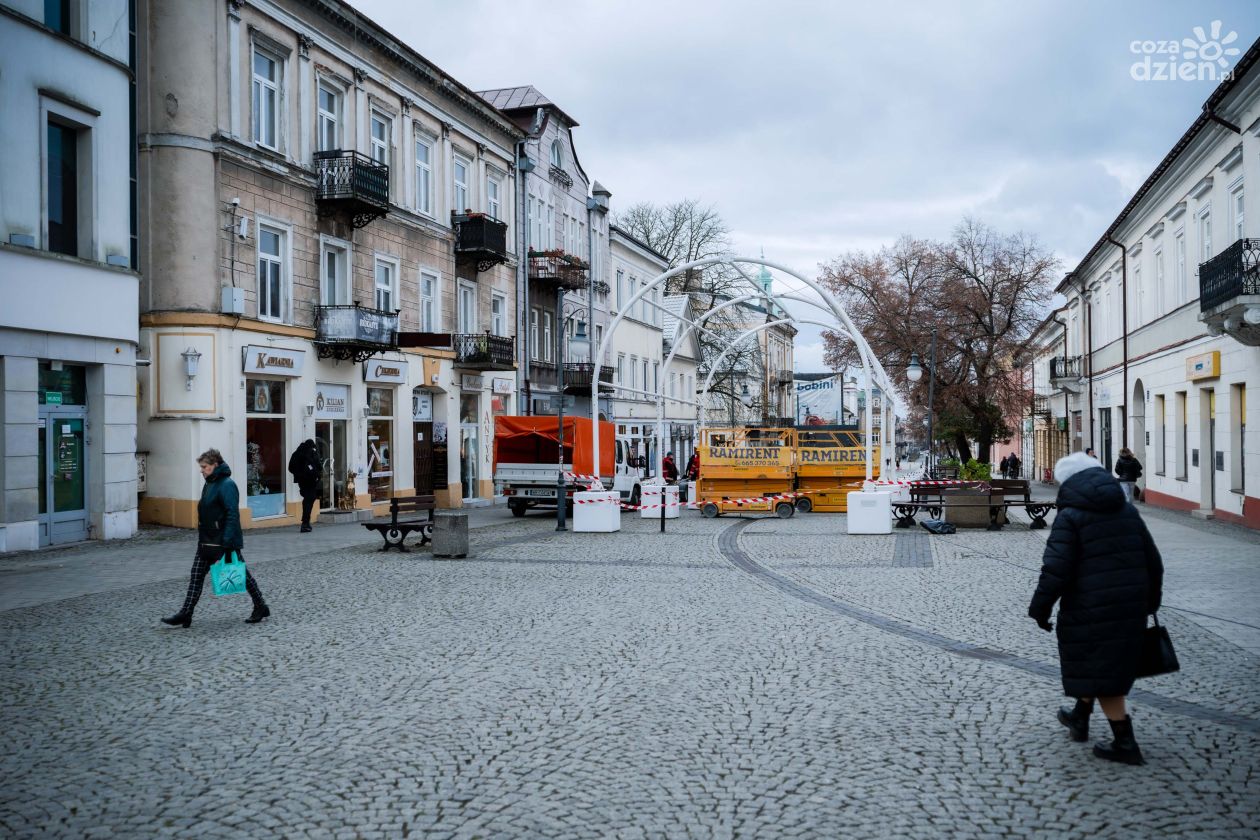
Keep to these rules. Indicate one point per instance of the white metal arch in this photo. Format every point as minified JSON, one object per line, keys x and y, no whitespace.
{"x":735,"y":262}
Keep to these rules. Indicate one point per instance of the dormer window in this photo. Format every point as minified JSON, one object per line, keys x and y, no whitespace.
{"x":557,"y":156}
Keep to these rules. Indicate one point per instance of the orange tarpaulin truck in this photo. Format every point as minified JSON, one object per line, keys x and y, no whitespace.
{"x":526,"y":457}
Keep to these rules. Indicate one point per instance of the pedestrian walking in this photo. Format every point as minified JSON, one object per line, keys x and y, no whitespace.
{"x":1004,"y":466}
{"x":1012,"y":466}
{"x":1128,"y":471}
{"x":304,"y":466}
{"x":218,"y":532}
{"x":1103,"y":568}
{"x":669,"y":468}
{"x":693,"y":467}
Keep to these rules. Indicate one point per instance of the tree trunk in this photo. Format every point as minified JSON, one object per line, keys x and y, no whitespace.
{"x":984,"y":443}
{"x":964,"y":448}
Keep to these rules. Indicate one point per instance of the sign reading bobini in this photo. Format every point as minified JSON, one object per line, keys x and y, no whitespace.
{"x":385,"y":370}
{"x":276,"y":361}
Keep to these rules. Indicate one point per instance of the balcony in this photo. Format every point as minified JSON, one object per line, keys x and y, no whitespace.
{"x":1041,"y":405}
{"x":577,"y":378}
{"x":483,"y":351}
{"x":480,"y":239}
{"x":1229,"y":292}
{"x":564,"y":270}
{"x":352,"y":185}
{"x":783,"y":377}
{"x":354,"y":333}
{"x":1065,"y":373}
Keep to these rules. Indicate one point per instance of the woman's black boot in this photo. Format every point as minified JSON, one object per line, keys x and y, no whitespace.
{"x":259,"y":613}
{"x":180,"y":619}
{"x":1076,"y":719}
{"x":1123,"y":747}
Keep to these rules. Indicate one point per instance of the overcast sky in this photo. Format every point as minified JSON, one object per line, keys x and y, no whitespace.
{"x":820,"y":127}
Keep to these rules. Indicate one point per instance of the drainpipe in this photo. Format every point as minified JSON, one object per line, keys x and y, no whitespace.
{"x":1124,"y":341}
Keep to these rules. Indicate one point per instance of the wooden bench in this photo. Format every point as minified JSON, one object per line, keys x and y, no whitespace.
{"x":931,"y":498}
{"x":394,"y":532}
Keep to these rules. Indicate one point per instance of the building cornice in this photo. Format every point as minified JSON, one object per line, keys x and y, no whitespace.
{"x":121,"y":66}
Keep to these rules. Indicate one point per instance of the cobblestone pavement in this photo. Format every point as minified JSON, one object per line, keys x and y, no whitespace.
{"x":732,"y":677}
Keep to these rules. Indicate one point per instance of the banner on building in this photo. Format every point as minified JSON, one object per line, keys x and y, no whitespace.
{"x":820,"y":402}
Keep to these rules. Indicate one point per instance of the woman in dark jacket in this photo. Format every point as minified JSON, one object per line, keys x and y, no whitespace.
{"x":1128,"y":471}
{"x":218,"y":532}
{"x":304,"y":465}
{"x":1102,"y":566}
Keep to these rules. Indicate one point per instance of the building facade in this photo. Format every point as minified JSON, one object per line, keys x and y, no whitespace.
{"x":565,"y":235}
{"x":683,"y":418}
{"x":68,"y":321}
{"x":1162,"y":321}
{"x":638,"y":345}
{"x":329,"y":254}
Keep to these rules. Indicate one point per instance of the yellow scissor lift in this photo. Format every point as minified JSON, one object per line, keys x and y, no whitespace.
{"x":746,"y":463}
{"x":830,"y":462}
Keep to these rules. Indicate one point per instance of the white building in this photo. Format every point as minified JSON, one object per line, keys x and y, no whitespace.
{"x":637,"y":344}
{"x":68,"y":321}
{"x":1162,"y":320}
{"x":682,"y":418}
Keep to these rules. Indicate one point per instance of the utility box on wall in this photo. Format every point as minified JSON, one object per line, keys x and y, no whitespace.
{"x":233,"y":302}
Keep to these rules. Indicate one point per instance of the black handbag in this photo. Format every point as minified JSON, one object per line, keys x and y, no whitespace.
{"x":1157,"y":656}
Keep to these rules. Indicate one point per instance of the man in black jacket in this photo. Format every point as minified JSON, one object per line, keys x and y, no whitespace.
{"x":304,"y":466}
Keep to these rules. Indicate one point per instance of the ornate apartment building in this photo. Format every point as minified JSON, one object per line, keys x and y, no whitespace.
{"x":329,"y":252}
{"x":1158,"y":344}
{"x":68,"y":288}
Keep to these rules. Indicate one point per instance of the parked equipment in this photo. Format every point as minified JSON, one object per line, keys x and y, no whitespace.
{"x":746,"y":463}
{"x":830,"y":463}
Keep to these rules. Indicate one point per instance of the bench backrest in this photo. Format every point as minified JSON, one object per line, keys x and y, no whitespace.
{"x":411,"y":504}
{"x":1011,"y":486}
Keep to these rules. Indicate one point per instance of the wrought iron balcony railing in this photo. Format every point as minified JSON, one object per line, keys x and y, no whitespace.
{"x":480,"y":239}
{"x":1041,"y":405}
{"x":1231,"y":273}
{"x":483,"y":351}
{"x":351,"y":183}
{"x":354,"y":333}
{"x":565,"y":270}
{"x":577,"y":377}
{"x":1065,"y":367}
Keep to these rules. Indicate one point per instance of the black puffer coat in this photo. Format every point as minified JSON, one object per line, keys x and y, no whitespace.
{"x":1128,"y":468}
{"x":304,"y":466}
{"x":1102,"y":565}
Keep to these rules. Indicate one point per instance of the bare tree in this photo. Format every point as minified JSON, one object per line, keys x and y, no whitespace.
{"x":983,"y":291}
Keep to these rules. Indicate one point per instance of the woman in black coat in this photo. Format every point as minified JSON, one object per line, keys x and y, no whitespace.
{"x":304,"y":465}
{"x":1102,"y":566}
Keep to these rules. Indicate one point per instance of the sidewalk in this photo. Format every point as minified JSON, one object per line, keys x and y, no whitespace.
{"x":162,"y":553}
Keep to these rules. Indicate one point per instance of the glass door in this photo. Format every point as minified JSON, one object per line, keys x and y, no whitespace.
{"x":63,"y":478}
{"x":330,"y":441}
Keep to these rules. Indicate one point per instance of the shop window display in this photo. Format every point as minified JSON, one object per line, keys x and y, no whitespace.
{"x":265,"y":455}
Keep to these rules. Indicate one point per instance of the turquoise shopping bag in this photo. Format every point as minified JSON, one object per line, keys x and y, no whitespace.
{"x":227,"y":574}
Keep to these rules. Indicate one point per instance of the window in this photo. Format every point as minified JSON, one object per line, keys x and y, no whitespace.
{"x":557,"y":153}
{"x":533,"y":333}
{"x":548,"y":351}
{"x":380,"y":139}
{"x":62,"y":179}
{"x":424,"y":176}
{"x":494,"y":196}
{"x":1159,"y":282}
{"x":1236,"y":210}
{"x":647,"y":383}
{"x":57,"y":16}
{"x":1238,"y":437}
{"x":1140,"y":293}
{"x":1181,"y":453}
{"x":271,"y":279}
{"x":428,"y":301}
{"x":498,"y":314}
{"x":334,"y":285}
{"x":461,"y":195}
{"x":656,"y":376}
{"x":328,"y":121}
{"x":673,"y":391}
{"x":1205,"y":234}
{"x":535,"y":223}
{"x":386,"y":285}
{"x":1179,"y":266}
{"x":380,"y":450}
{"x":621,"y":289}
{"x":634,"y":371}
{"x":599,"y":339}
{"x":466,"y":306}
{"x":266,"y":452}
{"x":621,"y":368}
{"x":266,"y":101}
{"x":1161,"y":459}
{"x":551,"y":226}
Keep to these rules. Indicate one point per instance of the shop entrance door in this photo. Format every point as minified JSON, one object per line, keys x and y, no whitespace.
{"x":424,"y":458}
{"x":330,"y":440}
{"x":468,"y":457}
{"x":62,"y":476}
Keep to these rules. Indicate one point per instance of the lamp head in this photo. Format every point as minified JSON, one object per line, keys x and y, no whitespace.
{"x":914,"y":371}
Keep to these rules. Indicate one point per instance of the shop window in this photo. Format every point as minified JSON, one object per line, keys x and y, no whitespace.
{"x":1161,"y":420}
{"x":1182,"y":435}
{"x":1238,"y":437}
{"x":67,"y":386}
{"x":265,"y":455}
{"x":380,"y":443}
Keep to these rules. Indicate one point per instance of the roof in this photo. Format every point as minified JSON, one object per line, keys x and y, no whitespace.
{"x":523,"y":98}
{"x":1206,"y":116}
{"x":675,"y":306}
{"x":620,"y":231}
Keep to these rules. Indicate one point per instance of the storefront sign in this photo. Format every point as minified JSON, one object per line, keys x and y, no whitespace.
{"x":332,"y":402}
{"x":500,"y":385}
{"x":471,"y":382}
{"x":52,"y":398}
{"x":421,"y":407}
{"x":385,"y":370}
{"x":1204,"y":366}
{"x":273,"y":360}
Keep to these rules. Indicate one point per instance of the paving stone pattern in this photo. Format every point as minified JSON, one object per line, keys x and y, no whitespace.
{"x":622,"y":685}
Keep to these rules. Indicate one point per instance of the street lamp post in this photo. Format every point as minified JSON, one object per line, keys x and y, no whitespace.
{"x":914,"y":372}
{"x":580,"y":343}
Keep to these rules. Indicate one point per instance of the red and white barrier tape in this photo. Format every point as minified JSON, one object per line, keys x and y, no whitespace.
{"x":695,"y":505}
